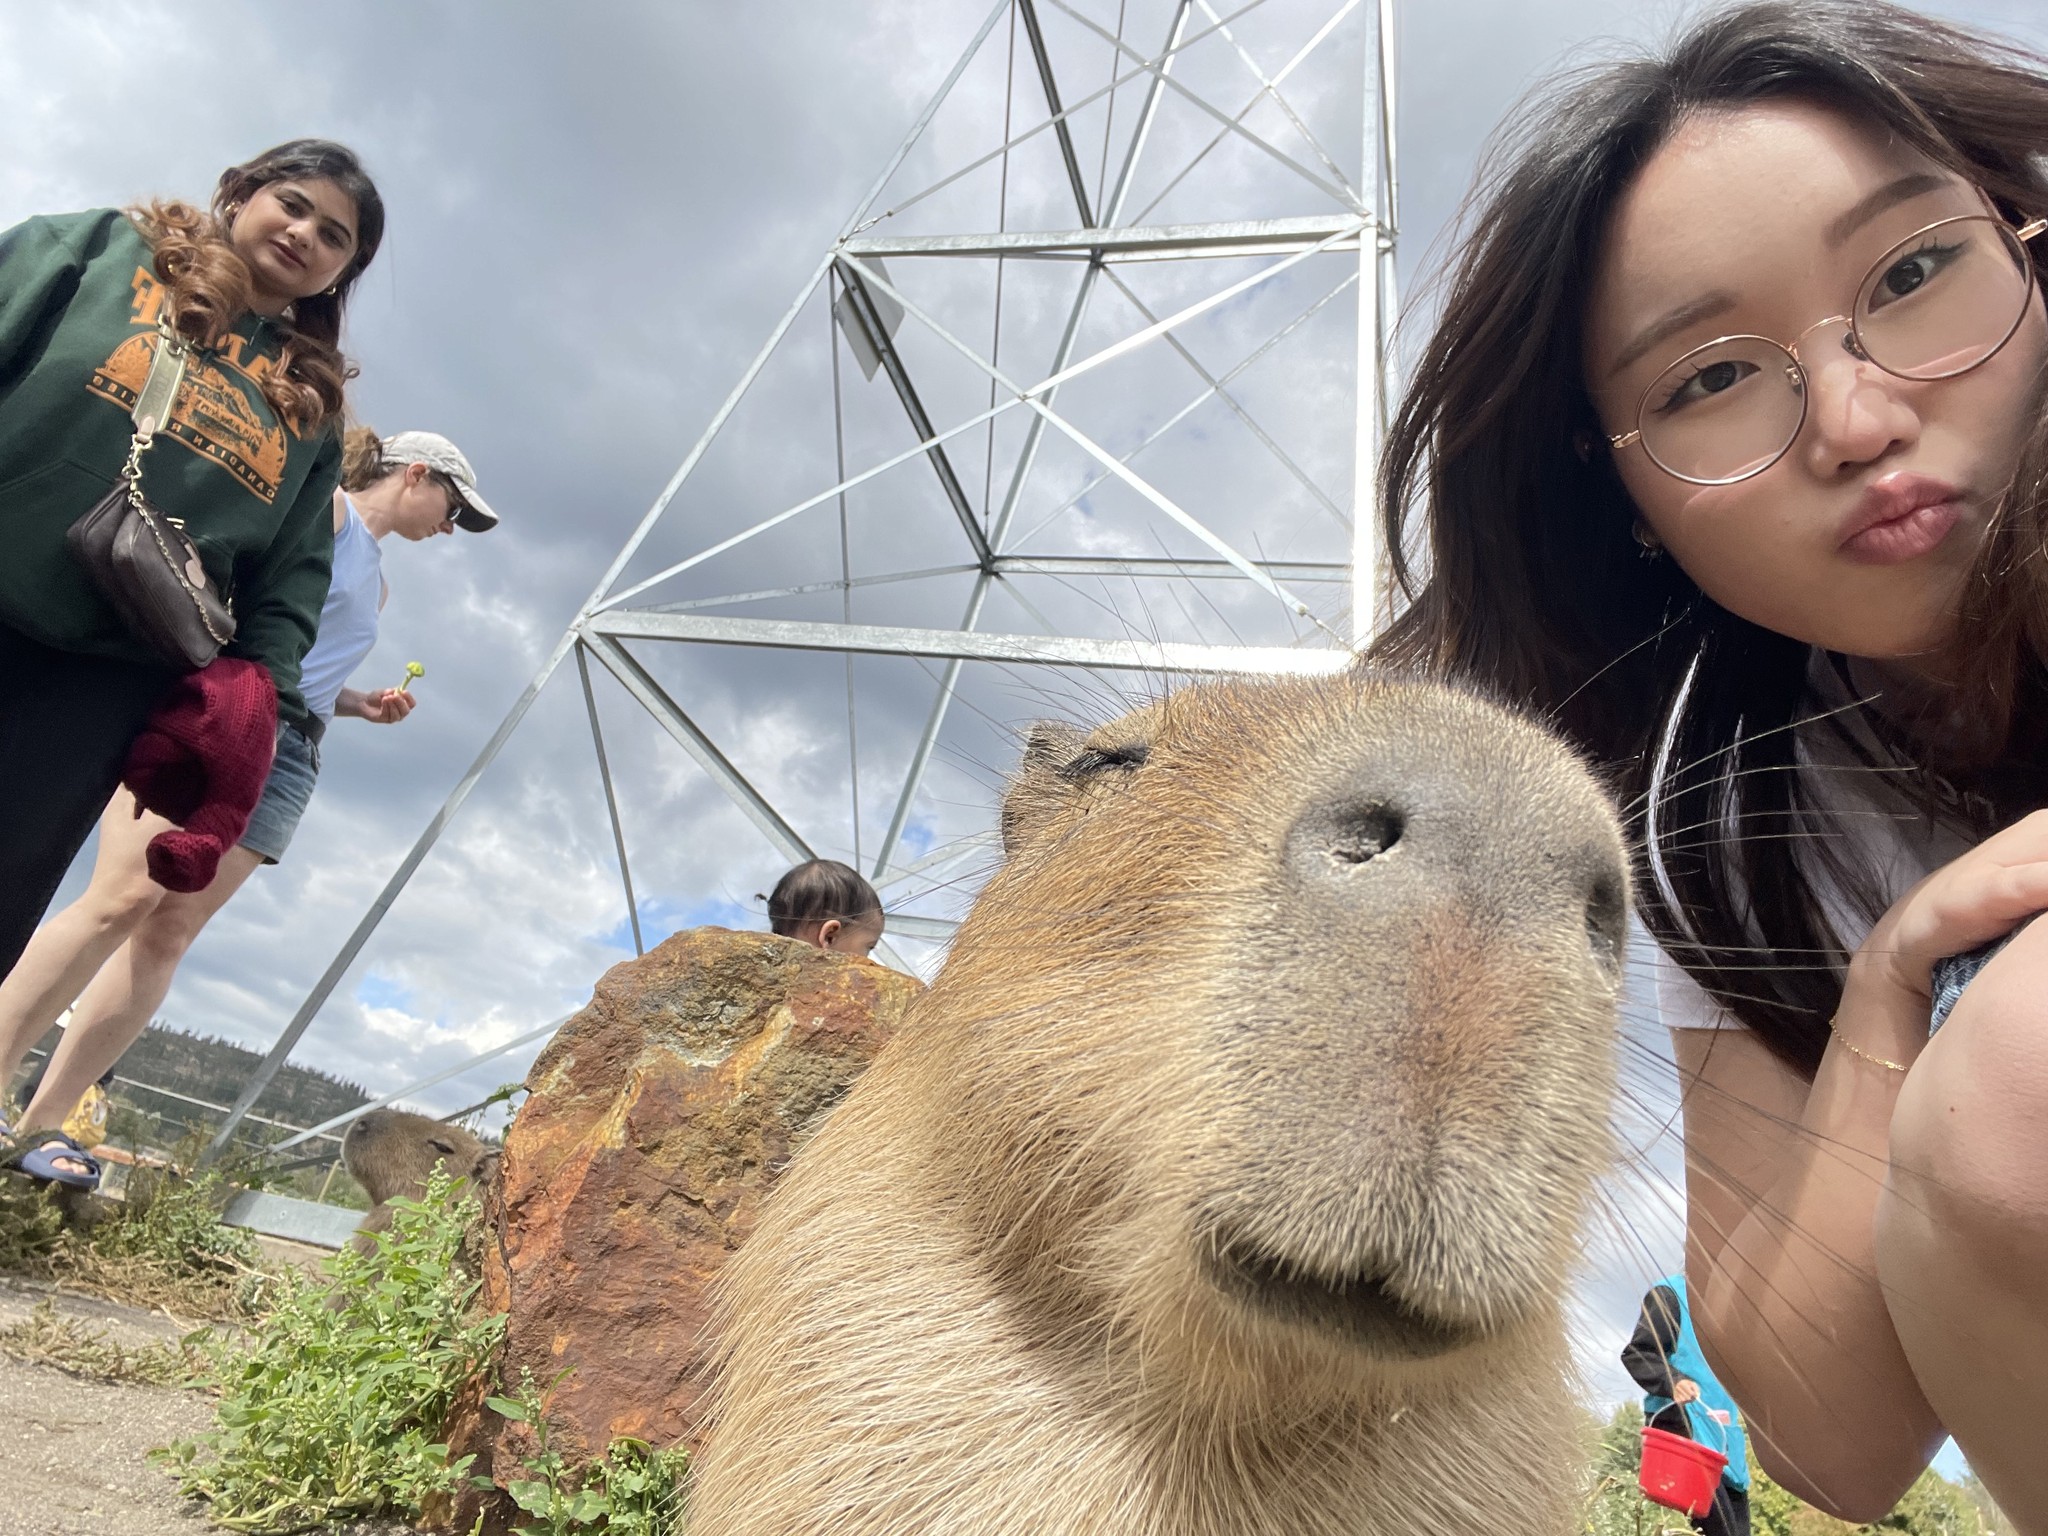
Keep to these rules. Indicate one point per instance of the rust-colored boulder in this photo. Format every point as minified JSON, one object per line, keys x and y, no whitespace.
{"x":655,"y":1122}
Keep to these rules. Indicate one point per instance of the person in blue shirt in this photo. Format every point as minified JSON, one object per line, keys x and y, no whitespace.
{"x":1681,"y":1397}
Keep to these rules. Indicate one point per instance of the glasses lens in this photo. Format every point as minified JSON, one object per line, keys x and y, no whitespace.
{"x":1725,"y":411}
{"x":1945,"y":300}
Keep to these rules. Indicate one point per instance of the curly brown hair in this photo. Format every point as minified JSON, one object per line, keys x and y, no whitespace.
{"x":207,"y":284}
{"x":362,"y":458}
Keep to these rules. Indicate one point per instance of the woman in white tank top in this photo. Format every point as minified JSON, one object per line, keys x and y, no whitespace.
{"x":1727,"y":453}
{"x":122,"y":940}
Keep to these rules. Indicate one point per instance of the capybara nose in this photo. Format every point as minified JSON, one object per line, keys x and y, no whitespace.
{"x":1447,"y":838}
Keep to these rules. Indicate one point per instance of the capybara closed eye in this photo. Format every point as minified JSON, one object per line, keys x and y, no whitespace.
{"x":1229,"y":1177}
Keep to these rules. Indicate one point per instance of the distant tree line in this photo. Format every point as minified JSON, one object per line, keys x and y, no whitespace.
{"x":213,"y":1070}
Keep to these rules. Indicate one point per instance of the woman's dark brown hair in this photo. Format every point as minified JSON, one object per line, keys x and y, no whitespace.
{"x":1525,"y":577}
{"x":208,"y":283}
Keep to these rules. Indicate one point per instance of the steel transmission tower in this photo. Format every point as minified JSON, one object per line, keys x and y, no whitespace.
{"x":1108,"y":372}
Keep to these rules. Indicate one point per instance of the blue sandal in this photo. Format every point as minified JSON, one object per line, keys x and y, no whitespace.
{"x":40,"y":1162}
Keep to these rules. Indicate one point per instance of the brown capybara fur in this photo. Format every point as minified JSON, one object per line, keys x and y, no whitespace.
{"x":392,"y":1153}
{"x":1228,"y":1179}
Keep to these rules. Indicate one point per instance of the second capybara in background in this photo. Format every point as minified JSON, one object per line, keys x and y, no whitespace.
{"x":1229,"y":1178}
{"x":393,"y":1152}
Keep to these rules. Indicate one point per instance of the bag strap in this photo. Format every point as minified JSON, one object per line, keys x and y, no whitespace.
{"x":160,"y":389}
{"x":153,"y":404}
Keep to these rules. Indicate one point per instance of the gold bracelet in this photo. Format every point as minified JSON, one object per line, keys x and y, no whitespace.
{"x":1855,"y":1050}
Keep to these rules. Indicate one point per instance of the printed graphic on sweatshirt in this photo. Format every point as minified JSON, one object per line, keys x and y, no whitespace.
{"x":216,"y":413}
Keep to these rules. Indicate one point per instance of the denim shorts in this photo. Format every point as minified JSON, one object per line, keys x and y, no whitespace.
{"x":1956,"y":972}
{"x":285,"y":794}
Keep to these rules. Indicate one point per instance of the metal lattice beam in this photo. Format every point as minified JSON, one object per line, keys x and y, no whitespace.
{"x":1164,"y":657}
{"x":1347,"y":217}
{"x":878,"y":337}
{"x":1166,"y":242}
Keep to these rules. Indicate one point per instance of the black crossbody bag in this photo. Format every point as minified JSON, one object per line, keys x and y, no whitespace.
{"x":138,"y":555}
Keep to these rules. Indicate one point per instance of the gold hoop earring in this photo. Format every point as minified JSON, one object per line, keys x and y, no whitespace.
{"x":1647,"y":541}
{"x":332,"y":290}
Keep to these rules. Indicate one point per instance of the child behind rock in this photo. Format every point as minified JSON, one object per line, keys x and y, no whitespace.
{"x":828,"y":905}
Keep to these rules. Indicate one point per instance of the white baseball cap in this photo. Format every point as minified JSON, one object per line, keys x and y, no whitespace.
{"x":437,"y":453}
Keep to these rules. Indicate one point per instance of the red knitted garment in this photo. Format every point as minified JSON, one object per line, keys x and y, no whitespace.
{"x":201,"y":762}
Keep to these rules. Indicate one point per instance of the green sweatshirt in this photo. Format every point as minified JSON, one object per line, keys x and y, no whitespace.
{"x":78,"y":310}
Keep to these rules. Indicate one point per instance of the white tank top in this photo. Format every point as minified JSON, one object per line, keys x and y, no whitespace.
{"x":348,"y":619}
{"x":1895,"y":844}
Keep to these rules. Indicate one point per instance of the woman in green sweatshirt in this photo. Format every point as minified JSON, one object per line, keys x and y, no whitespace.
{"x":258,"y":284}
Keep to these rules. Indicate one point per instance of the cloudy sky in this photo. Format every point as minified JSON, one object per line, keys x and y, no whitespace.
{"x":597,"y":212}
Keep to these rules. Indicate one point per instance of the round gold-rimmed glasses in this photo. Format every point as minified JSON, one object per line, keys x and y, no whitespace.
{"x":1939,"y":303}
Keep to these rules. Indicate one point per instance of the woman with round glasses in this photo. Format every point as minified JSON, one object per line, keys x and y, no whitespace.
{"x":1727,"y":454}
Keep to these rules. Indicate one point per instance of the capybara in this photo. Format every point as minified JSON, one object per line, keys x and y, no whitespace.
{"x":392,"y":1152}
{"x":1228,"y":1179}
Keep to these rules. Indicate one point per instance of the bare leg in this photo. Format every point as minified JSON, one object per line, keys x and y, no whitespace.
{"x":74,"y":944}
{"x":129,"y":989}
{"x":1962,"y":1228}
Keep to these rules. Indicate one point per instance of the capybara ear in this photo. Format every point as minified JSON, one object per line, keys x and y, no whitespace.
{"x":1052,"y":744}
{"x":1039,"y":786}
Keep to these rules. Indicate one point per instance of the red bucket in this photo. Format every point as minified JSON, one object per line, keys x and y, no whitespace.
{"x":1678,"y":1473}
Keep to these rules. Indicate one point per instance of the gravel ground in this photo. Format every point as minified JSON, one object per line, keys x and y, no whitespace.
{"x":74,"y":1453}
{"x":73,"y":1456}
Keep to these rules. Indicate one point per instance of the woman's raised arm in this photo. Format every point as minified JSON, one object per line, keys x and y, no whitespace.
{"x":1782,"y":1184}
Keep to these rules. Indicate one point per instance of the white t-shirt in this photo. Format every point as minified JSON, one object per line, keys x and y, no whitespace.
{"x":1879,"y":834}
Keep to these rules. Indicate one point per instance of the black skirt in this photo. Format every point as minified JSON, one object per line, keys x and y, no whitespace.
{"x":66,"y":723}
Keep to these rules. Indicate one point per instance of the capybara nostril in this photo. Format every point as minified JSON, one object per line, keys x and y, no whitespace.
{"x":1330,"y":840}
{"x":1362,"y":1305}
{"x":1362,"y":833}
{"x":1607,"y":916}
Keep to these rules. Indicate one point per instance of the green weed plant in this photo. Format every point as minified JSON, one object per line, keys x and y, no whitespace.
{"x":165,"y":1245}
{"x":31,"y":1227}
{"x":162,"y":1247}
{"x":633,"y":1490}
{"x":339,"y":1409}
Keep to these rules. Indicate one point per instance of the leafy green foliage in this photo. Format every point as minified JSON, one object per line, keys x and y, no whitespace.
{"x":173,"y":1223}
{"x":1933,"y":1506}
{"x":1615,"y":1506}
{"x":633,"y":1490}
{"x":340,"y":1407}
{"x":165,"y":1246}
